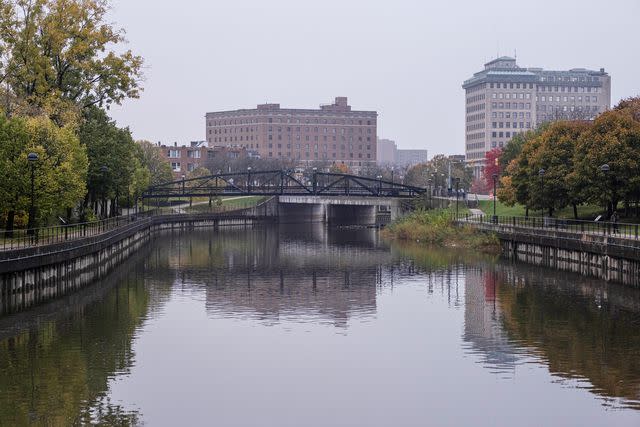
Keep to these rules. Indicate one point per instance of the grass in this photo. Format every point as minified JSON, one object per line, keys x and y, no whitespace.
{"x":586,"y":212}
{"x":436,"y":227}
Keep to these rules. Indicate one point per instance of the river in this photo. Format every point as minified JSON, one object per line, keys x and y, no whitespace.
{"x":309,"y":326}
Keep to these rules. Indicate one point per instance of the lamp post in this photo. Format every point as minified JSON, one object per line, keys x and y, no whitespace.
{"x":32,"y":158}
{"x":379,"y":177}
{"x":541,"y":173}
{"x":605,"y":170}
{"x":315,"y":182}
{"x":392,"y":172}
{"x":457,"y":187}
{"x":249,"y":179}
{"x":103,"y":172}
{"x":495,"y":184}
{"x":430,"y":187}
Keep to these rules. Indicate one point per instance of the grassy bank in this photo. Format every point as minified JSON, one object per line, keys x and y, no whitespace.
{"x":437,"y":228}
{"x":585,"y":212}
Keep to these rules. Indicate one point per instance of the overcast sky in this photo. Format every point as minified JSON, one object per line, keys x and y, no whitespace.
{"x":405,"y":59}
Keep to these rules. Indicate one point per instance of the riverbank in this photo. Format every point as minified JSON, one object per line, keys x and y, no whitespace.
{"x":437,"y":227}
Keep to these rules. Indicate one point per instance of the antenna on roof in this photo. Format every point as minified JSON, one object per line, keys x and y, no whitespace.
{"x":515,"y":54}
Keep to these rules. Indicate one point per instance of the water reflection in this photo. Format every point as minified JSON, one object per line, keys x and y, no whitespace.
{"x":425,"y":326}
{"x":56,"y":361}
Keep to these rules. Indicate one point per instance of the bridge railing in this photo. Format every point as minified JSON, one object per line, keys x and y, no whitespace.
{"x":531,"y":224}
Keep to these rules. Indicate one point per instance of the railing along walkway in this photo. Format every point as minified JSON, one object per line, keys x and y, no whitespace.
{"x":537,"y":225}
{"x":37,"y":237}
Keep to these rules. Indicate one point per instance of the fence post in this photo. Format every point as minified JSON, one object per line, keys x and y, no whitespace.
{"x":636,"y":231}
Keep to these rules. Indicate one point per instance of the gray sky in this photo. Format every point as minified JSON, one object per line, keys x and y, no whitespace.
{"x":405,"y":59}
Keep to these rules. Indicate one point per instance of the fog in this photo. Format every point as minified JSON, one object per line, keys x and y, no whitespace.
{"x":405,"y":59}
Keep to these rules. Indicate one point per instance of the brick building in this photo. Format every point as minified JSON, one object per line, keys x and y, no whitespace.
{"x":333,"y":133}
{"x":187,"y":158}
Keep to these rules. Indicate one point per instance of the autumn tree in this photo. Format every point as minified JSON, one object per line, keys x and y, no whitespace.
{"x":613,"y":139}
{"x":62,"y":56}
{"x":59,"y":173}
{"x":151,"y":158}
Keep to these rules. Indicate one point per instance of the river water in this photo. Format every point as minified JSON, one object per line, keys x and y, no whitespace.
{"x":315,"y":327}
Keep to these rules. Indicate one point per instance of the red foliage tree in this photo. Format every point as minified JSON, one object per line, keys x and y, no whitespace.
{"x":491,"y":166}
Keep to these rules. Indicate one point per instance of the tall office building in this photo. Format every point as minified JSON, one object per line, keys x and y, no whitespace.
{"x":504,"y":99}
{"x":334,"y":133}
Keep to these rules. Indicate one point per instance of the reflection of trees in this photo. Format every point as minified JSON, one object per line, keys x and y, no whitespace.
{"x":56,"y":371}
{"x":578,"y":326}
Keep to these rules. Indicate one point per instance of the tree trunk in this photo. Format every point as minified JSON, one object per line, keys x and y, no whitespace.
{"x":10,"y":220}
{"x":575,"y":211}
{"x":526,"y":212}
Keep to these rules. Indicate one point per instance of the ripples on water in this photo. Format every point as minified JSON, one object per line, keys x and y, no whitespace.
{"x":237,"y":327}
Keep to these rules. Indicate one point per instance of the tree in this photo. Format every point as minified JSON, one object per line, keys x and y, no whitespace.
{"x":61,"y":56}
{"x":150,"y":157}
{"x":59,"y":172}
{"x":112,"y":160}
{"x":491,"y":166}
{"x":613,"y":139}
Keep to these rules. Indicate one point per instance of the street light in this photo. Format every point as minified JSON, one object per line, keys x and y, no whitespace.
{"x":392,"y":171}
{"x":605,"y":170}
{"x":315,"y":182}
{"x":103,"y":171}
{"x":32,"y":158}
{"x":457,"y":186}
{"x":379,"y":177}
{"x":495,"y":184}
{"x":541,"y":173}
{"x":249,"y":179}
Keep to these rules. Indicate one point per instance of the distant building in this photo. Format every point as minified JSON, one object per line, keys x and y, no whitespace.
{"x":334,"y":133}
{"x":408,"y":158}
{"x":504,"y":99}
{"x":386,"y":152}
{"x":187,"y":158}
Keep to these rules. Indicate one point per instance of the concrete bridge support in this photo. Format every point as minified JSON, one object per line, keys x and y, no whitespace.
{"x":339,"y":210}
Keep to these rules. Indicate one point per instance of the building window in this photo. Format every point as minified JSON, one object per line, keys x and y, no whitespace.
{"x":175,"y":166}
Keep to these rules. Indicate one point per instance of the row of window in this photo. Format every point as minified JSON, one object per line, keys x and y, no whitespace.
{"x":318,"y":155}
{"x":176,"y":154}
{"x":475,"y":117}
{"x":511,"y":85}
{"x":503,"y":134}
{"x":511,"y":105}
{"x":509,"y":95}
{"x":289,"y":120}
{"x":543,"y":98}
{"x":475,"y":126}
{"x":177,"y":167}
{"x":509,"y":115}
{"x":474,"y":108}
{"x":472,"y":136}
{"x":475,"y":98}
{"x":587,"y":108}
{"x":575,"y":89}
{"x":475,"y":145}
{"x":316,"y":146}
{"x":568,"y":79}
{"x":501,"y":125}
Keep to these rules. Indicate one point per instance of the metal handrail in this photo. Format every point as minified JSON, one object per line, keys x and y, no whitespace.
{"x":582,"y":227}
{"x":43,"y":236}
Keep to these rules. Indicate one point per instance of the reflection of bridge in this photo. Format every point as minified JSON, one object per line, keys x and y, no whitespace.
{"x":319,"y":196}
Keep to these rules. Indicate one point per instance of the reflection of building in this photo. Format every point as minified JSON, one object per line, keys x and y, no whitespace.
{"x":334,"y":133}
{"x":269,"y":274}
{"x":504,"y":99}
{"x":482,"y":325}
